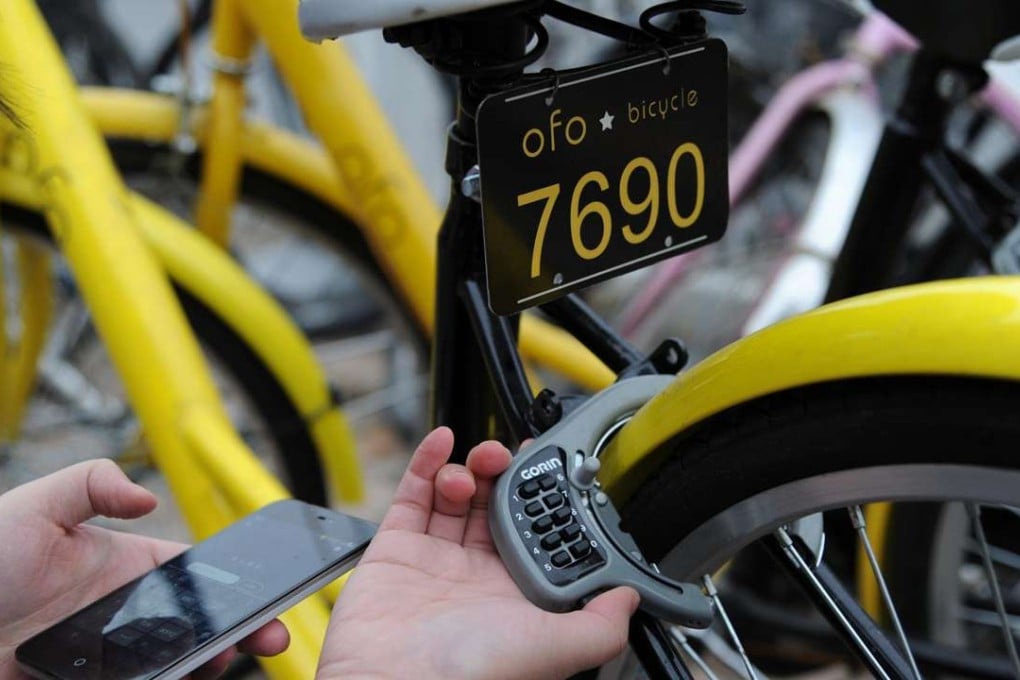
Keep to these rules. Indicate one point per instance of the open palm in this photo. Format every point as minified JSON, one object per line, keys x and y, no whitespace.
{"x":431,"y":597}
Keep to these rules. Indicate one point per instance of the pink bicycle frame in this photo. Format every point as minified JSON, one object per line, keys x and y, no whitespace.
{"x":876,"y":40}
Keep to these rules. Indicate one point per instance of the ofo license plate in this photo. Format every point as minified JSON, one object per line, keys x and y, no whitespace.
{"x":594,"y":174}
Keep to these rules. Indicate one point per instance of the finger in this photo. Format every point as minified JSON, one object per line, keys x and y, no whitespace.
{"x":85,"y":490}
{"x":616,"y":605}
{"x":454,"y":488}
{"x":269,"y":640}
{"x":599,"y":631}
{"x":214,"y":667}
{"x":486,"y":462}
{"x":412,"y":502}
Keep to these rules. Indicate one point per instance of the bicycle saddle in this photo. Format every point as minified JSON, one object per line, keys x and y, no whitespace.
{"x":964,"y":31}
{"x":324,"y":19}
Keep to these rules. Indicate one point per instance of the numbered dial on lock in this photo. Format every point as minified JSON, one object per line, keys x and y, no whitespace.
{"x":557,"y":536}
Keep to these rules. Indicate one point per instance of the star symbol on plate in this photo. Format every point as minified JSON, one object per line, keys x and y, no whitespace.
{"x":607,"y":121}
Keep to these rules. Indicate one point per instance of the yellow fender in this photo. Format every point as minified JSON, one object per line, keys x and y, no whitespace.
{"x":951,"y":328}
{"x":968,"y":327}
{"x":208,"y":273}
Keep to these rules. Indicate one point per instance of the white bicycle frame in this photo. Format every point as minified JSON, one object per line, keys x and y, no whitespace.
{"x":800,"y":281}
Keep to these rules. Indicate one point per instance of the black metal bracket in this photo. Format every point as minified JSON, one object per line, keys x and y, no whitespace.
{"x":658,"y":655}
{"x":666,"y":359}
{"x":963,"y":206}
{"x":498,"y":344}
{"x":577,"y":318}
{"x":688,"y":24}
{"x":597,"y":24}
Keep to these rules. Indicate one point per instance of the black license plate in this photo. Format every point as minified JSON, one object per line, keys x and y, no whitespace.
{"x":603,"y":172}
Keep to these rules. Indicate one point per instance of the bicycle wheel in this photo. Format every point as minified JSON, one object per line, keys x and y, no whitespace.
{"x":726,"y":488}
{"x":79,"y":408}
{"x":317,"y":264}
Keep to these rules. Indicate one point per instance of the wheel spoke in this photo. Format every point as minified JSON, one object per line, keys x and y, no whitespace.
{"x":860,"y":527}
{"x":983,"y":617}
{"x":385,"y":398}
{"x":68,"y":386}
{"x":934,"y":657}
{"x":713,"y":593}
{"x":974,"y":511}
{"x":1001,"y":556}
{"x":721,"y":650}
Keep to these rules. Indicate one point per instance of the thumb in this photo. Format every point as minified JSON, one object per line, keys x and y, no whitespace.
{"x":616,"y":605}
{"x":80,"y":492}
{"x":601,"y":627}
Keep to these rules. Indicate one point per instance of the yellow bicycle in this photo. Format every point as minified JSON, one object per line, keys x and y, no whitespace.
{"x":124,"y":252}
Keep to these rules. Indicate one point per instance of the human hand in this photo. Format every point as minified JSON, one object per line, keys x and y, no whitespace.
{"x":431,"y":597}
{"x":53,"y":564}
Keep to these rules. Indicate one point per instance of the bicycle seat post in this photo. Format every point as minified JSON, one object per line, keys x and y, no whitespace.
{"x":487,"y":51}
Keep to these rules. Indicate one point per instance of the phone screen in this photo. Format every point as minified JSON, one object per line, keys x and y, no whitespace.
{"x":189,"y":602}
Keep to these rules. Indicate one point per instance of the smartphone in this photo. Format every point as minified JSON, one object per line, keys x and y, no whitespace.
{"x":183,"y":613}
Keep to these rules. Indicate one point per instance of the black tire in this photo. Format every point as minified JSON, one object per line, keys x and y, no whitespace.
{"x":808,"y":435}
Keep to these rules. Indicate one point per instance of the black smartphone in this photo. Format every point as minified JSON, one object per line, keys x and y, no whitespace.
{"x":183,"y":613}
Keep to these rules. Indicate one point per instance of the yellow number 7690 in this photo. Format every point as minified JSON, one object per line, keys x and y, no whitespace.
{"x":633,"y":206}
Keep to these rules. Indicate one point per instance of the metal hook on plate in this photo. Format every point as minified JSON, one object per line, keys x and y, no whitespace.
{"x":666,"y":56}
{"x":556,"y":84}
